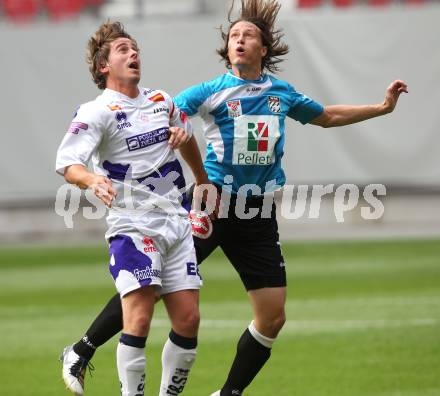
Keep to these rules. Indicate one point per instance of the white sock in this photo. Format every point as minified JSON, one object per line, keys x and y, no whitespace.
{"x":263,"y":340}
{"x":131,"y":369}
{"x":176,"y":364}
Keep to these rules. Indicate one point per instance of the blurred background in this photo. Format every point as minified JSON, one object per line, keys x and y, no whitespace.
{"x":363,"y":308}
{"x":342,"y":51}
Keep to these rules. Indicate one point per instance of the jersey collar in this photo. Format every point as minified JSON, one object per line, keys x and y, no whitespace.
{"x":262,"y":78}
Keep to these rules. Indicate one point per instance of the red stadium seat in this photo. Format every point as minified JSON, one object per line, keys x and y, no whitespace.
{"x":20,"y":10}
{"x":343,"y":3}
{"x":308,"y":3}
{"x":61,"y":9}
{"x":379,"y":3}
{"x":414,"y":2}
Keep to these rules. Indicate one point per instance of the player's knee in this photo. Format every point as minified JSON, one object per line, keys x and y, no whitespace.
{"x":279,"y":322}
{"x":138,"y":324}
{"x":188,"y":323}
{"x":274,"y":324}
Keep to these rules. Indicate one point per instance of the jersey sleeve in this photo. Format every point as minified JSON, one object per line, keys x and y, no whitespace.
{"x":178,"y":117}
{"x":82,"y":138}
{"x":302,"y":108}
{"x":191,"y":99}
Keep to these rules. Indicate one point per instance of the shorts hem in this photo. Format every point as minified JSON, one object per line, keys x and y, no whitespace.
{"x":163,"y":291}
{"x":136,"y":287}
{"x":254,"y":282}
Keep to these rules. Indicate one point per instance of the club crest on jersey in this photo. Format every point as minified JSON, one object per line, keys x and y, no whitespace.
{"x":121,"y":117}
{"x":76,"y":126}
{"x":143,"y":117}
{"x":157,"y":98}
{"x":274,"y":104}
{"x":234,"y":108}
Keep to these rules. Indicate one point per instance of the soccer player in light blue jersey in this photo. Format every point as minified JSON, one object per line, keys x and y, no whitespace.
{"x":244,"y":112}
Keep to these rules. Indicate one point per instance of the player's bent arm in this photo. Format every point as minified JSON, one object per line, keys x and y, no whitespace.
{"x":191,"y":154}
{"x":340,"y":115}
{"x":83,"y":178}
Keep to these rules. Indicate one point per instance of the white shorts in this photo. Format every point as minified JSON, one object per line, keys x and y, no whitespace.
{"x":143,"y":257}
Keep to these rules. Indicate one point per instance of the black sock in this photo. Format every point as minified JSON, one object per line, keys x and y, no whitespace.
{"x":250,"y":358}
{"x":181,"y":341}
{"x":107,"y":324}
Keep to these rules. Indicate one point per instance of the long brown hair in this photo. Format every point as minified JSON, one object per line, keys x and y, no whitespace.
{"x":98,"y":49}
{"x":262,"y":13}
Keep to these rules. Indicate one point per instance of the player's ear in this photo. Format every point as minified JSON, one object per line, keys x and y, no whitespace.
{"x":104,"y":68}
{"x":263,"y":52}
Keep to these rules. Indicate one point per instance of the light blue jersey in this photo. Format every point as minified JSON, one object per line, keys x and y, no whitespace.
{"x":244,"y":127}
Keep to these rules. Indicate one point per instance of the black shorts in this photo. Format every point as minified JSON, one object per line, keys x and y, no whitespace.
{"x":251,"y":245}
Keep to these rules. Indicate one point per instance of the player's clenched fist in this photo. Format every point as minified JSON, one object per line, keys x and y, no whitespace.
{"x":103,"y":189}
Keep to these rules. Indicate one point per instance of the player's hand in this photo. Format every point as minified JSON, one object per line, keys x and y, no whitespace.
{"x":392,"y":95}
{"x":103,"y":189}
{"x":178,"y":136}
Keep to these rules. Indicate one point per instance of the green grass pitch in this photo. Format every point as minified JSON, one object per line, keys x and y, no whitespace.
{"x":363,"y":320}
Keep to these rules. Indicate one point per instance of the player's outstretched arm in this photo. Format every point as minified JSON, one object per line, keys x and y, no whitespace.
{"x":83,"y":178}
{"x":340,"y":115}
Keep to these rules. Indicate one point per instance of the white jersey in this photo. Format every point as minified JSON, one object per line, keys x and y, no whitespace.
{"x":127,"y":141}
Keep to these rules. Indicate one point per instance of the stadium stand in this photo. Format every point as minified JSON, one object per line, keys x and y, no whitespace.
{"x":19,"y":10}
{"x":24,"y":11}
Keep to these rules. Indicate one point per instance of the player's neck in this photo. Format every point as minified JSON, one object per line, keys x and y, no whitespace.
{"x":246,"y":73}
{"x":130,"y":90}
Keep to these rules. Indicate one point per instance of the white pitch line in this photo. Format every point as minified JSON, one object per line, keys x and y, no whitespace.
{"x":318,"y":326}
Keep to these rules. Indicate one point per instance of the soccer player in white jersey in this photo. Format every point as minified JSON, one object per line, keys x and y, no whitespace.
{"x":130,"y":134}
{"x":244,"y":112}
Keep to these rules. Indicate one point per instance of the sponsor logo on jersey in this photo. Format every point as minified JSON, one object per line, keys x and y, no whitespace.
{"x":147,"y":91}
{"x":160,"y":110}
{"x":254,"y":140}
{"x":147,"y":273}
{"x":114,"y":107}
{"x":76,"y":126}
{"x":258,"y":136}
{"x":121,"y":117}
{"x":157,"y":98}
{"x":147,"y":139}
{"x":274,"y":104}
{"x":149,"y":245}
{"x":192,"y":269}
{"x":253,"y":89}
{"x":234,"y":108}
